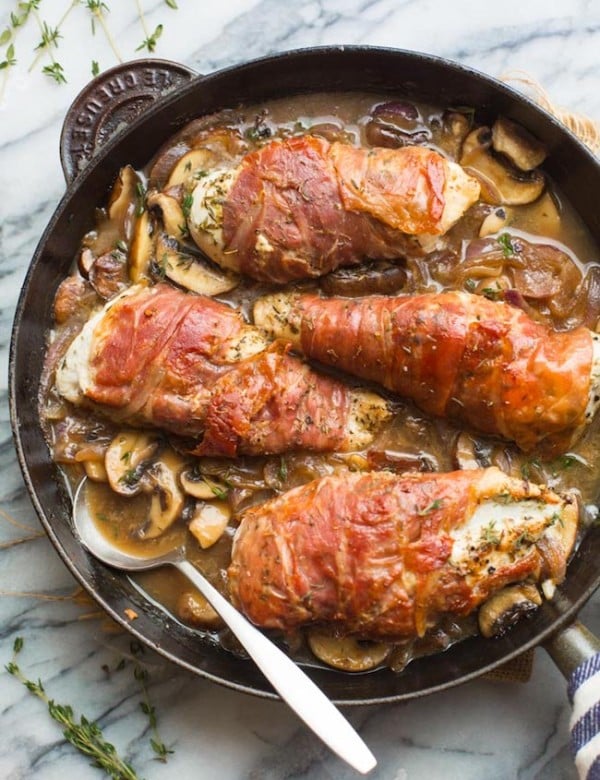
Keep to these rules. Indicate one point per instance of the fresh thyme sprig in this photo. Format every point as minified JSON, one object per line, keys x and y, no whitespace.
{"x":50,"y":36}
{"x":86,"y":736}
{"x":98,"y":9}
{"x":150,"y":41}
{"x":141,"y":675}
{"x":17,"y":19}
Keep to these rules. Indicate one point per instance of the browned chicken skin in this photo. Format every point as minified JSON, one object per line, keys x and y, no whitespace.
{"x":484,"y":364}
{"x":383,"y":556}
{"x":192,"y":366}
{"x":302,"y":207}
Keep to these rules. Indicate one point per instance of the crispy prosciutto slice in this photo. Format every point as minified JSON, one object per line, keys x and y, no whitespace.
{"x":302,"y":207}
{"x":386,"y":556}
{"x":481,"y":363}
{"x":191,"y":366}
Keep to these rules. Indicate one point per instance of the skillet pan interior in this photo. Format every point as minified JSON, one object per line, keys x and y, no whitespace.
{"x":343,"y":69}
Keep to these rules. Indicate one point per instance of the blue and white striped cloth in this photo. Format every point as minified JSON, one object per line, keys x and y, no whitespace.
{"x":584,"y":695}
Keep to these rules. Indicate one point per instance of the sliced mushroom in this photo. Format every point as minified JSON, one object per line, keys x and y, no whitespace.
{"x":347,"y":653}
{"x":74,"y":298}
{"x":453,"y":131}
{"x":95,"y":470}
{"x":126,"y":457}
{"x":502,"y":183}
{"x":195,"y":610}
{"x":109,"y":274}
{"x":496,"y":220}
{"x":123,"y":196}
{"x":209,"y":522}
{"x":378,"y":278}
{"x":521,"y":148}
{"x":505,"y":608}
{"x":470,"y":454}
{"x":173,"y":218}
{"x":85,"y":261}
{"x":142,"y":249}
{"x":197,"y":485}
{"x":191,"y":272}
{"x":168,"y":499}
{"x":191,"y":165}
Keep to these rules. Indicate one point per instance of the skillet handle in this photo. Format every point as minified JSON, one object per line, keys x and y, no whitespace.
{"x":576,"y":652}
{"x":109,"y":103}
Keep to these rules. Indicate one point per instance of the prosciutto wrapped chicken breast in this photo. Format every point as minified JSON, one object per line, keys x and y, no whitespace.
{"x":302,"y":207}
{"x":191,"y":366}
{"x":382,"y":556}
{"x":481,"y":363}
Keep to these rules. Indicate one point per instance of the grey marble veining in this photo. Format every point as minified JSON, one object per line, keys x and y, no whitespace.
{"x":485,"y":729}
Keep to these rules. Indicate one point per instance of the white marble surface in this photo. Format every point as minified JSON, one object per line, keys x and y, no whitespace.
{"x":484,"y":729}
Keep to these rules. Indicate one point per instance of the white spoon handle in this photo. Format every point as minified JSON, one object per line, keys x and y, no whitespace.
{"x":292,"y":684}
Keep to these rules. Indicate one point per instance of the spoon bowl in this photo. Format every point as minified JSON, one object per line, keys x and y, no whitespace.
{"x":292,"y":684}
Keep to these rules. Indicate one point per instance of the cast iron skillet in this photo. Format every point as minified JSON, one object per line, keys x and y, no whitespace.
{"x":112,"y":102}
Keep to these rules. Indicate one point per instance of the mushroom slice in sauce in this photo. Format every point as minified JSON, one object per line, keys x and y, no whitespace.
{"x":200,"y":486}
{"x":142,"y":249}
{"x":190,"y":166}
{"x":168,"y":499}
{"x":346,"y":653}
{"x":505,"y":608}
{"x":173,"y":218}
{"x":191,"y":272}
{"x":521,"y":148}
{"x":496,"y":220}
{"x":127,"y":455}
{"x":501,"y":183}
{"x":195,"y":610}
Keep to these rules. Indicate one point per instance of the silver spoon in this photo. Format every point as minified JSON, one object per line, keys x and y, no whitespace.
{"x":292,"y":684}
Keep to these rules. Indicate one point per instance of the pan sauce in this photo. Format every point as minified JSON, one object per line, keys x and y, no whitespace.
{"x":411,"y":441}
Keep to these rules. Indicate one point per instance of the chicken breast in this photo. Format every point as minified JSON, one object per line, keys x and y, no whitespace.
{"x":481,"y":363}
{"x":191,"y":366}
{"x":383,"y":556}
{"x":302,"y":207}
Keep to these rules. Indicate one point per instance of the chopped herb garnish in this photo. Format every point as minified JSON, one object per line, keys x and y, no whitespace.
{"x":505,"y":242}
{"x":437,"y":504}
{"x":492,"y":293}
{"x":186,"y":204}
{"x":528,"y":465}
{"x":556,"y":518}
{"x":218,"y":490}
{"x":95,"y":68}
{"x":129,"y":477}
{"x":489,"y":534}
{"x":470,"y":284}
{"x":283,"y":469}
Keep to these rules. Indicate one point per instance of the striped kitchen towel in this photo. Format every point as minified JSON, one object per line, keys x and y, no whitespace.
{"x":584,"y":695}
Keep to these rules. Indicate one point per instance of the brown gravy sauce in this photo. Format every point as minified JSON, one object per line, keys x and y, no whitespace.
{"x":410,"y":441}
